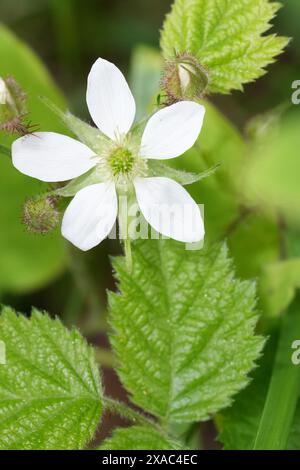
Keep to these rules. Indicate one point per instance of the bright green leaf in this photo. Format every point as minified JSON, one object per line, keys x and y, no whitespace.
{"x":226,"y":36}
{"x":50,"y":391}
{"x":183,"y":329}
{"x":26,"y":261}
{"x":138,"y":438}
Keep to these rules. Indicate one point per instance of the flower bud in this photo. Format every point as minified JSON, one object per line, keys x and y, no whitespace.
{"x":4,"y":93}
{"x":40,"y":215}
{"x":184,"y":78}
{"x":13,"y":109}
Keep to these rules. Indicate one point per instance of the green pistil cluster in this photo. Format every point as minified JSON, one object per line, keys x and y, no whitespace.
{"x":121,"y":162}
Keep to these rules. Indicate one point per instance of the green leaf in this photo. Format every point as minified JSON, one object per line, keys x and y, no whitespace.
{"x":279,"y":283}
{"x":238,"y":424}
{"x":294,"y":438}
{"x":139,"y":438}
{"x":276,"y":421}
{"x":183,"y":329}
{"x":227,"y":37}
{"x":50,"y":391}
{"x":181,"y":176}
{"x":26,"y":261}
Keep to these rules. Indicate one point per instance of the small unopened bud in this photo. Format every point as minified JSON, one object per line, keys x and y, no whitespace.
{"x":40,"y":215}
{"x":184,"y":78}
{"x":4,"y":93}
{"x":13,"y":108}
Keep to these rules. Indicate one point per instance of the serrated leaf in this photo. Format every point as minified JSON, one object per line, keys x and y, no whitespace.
{"x":181,"y":176}
{"x":183,"y":329}
{"x":50,"y":391}
{"x":238,"y":424}
{"x":139,"y":438}
{"x":227,"y":37}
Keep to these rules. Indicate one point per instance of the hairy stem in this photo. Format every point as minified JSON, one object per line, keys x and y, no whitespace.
{"x":125,"y":412}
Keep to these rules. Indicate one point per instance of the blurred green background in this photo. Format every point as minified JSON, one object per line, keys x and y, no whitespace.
{"x":68,"y":35}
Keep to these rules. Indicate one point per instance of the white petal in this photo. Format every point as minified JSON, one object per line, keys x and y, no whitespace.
{"x":109,"y":99}
{"x":169,"y":209}
{"x":173,"y":130}
{"x":48,"y":156}
{"x":91,"y":215}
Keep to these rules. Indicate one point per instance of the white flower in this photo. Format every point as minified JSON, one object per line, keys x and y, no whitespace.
{"x":92,"y":213}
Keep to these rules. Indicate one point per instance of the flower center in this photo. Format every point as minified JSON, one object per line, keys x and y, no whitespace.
{"x":121,"y":161}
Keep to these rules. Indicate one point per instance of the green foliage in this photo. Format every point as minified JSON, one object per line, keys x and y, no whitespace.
{"x":270,"y":178}
{"x":279,"y":284}
{"x":238,"y":425}
{"x":50,"y":392}
{"x":138,"y":438}
{"x":226,"y":213}
{"x":183,"y":330}
{"x":219,"y":144}
{"x":26,"y":261}
{"x":280,"y":405}
{"x":226,"y":36}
